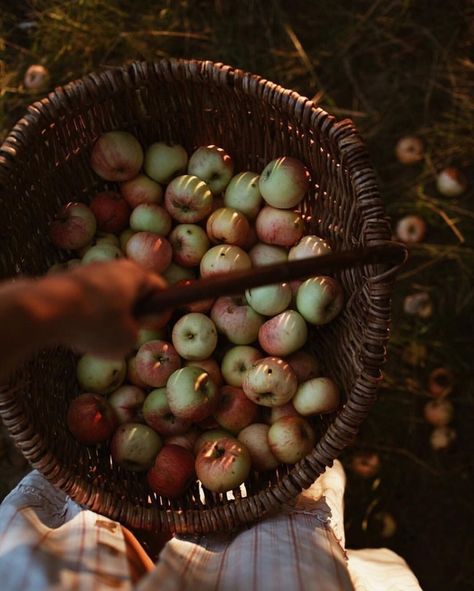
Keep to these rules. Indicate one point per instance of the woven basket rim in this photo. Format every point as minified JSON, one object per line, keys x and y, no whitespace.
{"x":92,"y":87}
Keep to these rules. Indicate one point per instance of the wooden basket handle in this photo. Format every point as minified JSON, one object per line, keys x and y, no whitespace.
{"x":237,"y":282}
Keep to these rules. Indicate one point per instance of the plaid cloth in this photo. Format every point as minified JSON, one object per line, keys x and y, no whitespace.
{"x":47,"y":541}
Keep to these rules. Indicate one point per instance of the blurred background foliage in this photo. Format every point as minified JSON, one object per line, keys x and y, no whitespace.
{"x":397,"y":68}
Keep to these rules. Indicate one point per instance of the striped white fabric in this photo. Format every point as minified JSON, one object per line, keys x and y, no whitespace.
{"x":48,"y":542}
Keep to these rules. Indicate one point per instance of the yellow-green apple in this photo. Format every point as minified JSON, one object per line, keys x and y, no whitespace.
{"x":105,"y":238}
{"x":141,"y":189}
{"x":237,"y":361}
{"x":451,"y":182}
{"x":157,"y":414}
{"x":132,"y":375}
{"x":194,"y":336}
{"x":199,"y":305}
{"x":149,"y":334}
{"x":99,"y":375}
{"x":229,"y":226}
{"x":188,"y":199}
{"x":255,"y":438}
{"x":117,"y":156}
{"x":242,"y":193}
{"x":124,"y":238}
{"x":150,"y":217}
{"x":73,"y":227}
{"x":149,"y":250}
{"x":91,"y":419}
{"x":192,"y":395}
{"x":304,"y":364}
{"x":283,"y":334}
{"x":156,"y":361}
{"x":223,"y":465}
{"x":319,"y":299}
{"x":284,"y":182}
{"x":177,"y":273}
{"x":134,"y":446}
{"x":316,"y":396}
{"x":186,"y":440}
{"x":189,"y":243}
{"x":411,"y":229}
{"x":235,"y":410}
{"x":309,"y":246}
{"x":224,"y":258}
{"x":127,"y":401}
{"x":210,"y":435}
{"x":291,"y":439}
{"x":100,"y":253}
{"x":111,"y":211}
{"x":235,"y":319}
{"x":280,"y":227}
{"x":213,"y":165}
{"x":267,"y":254}
{"x":163,"y":161}
{"x":269,"y":299}
{"x":270,"y":382}
{"x":211,"y":366}
{"x":438,"y":412}
{"x":173,"y":471}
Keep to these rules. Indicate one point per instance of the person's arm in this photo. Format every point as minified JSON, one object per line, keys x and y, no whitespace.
{"x":89,"y":308}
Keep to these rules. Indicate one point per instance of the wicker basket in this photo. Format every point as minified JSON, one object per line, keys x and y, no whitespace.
{"x":44,"y":162}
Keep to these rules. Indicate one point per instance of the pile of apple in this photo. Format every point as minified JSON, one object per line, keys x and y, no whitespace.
{"x":223,"y":386}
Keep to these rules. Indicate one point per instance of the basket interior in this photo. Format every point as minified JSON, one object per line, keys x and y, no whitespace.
{"x":192,"y":111}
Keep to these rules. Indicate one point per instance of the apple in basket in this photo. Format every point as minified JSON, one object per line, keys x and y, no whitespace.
{"x":223,"y":464}
{"x":213,"y":165}
{"x":255,"y":438}
{"x":134,"y":446}
{"x":316,"y":396}
{"x":235,"y":319}
{"x":291,"y":439}
{"x":224,"y":258}
{"x":91,"y":419}
{"x":74,"y":226}
{"x":270,"y":382}
{"x":237,"y":361}
{"x":99,"y":375}
{"x":117,"y":156}
{"x":151,"y":251}
{"x":188,"y":199}
{"x":279,"y":227}
{"x":319,"y":299}
{"x":284,"y":182}
{"x":192,"y":395}
{"x":111,"y":211}
{"x":164,"y":161}
{"x":283,"y":334}
{"x":127,"y":402}
{"x":234,"y":409}
{"x":156,"y":361}
{"x":189,"y":243}
{"x":150,"y":217}
{"x":173,"y":471}
{"x":157,"y":414}
{"x":141,"y":189}
{"x":194,"y":336}
{"x":243,"y":194}
{"x":229,"y":226}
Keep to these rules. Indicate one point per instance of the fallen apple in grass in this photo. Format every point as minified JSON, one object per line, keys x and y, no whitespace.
{"x":134,"y":446}
{"x":91,"y":419}
{"x":223,"y":465}
{"x":117,"y":156}
{"x":73,"y":227}
{"x":291,"y":439}
{"x":173,"y":471}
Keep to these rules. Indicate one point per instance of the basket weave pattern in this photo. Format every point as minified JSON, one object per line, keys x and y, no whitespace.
{"x":44,"y":163}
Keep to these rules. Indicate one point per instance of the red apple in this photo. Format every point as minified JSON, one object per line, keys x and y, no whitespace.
{"x":304,"y":364}
{"x":91,"y":419}
{"x":223,"y":465}
{"x":279,"y":227}
{"x":127,"y":402}
{"x":141,"y":189}
{"x":186,"y":440}
{"x":189,"y":243}
{"x":210,"y":435}
{"x":267,"y":254}
{"x":156,"y":361}
{"x":111,"y":211}
{"x":74,"y":226}
{"x":283,"y":334}
{"x":117,"y":156}
{"x":149,"y":250}
{"x":237,"y":320}
{"x":234,"y":409}
{"x":173,"y":471}
{"x":157,"y":414}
